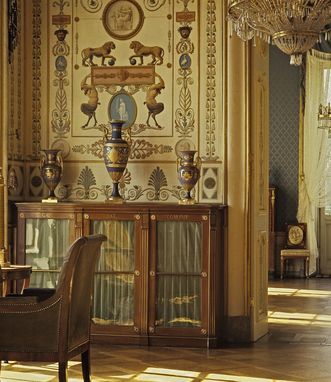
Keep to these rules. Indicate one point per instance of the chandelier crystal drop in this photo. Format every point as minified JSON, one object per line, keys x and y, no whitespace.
{"x":293,"y":26}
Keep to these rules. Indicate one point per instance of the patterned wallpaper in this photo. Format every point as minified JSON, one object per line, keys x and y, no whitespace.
{"x":284,"y":135}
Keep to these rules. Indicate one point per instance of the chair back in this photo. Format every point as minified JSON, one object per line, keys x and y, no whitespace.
{"x":75,"y":286}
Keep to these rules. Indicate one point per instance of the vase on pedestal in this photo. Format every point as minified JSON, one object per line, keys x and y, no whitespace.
{"x":188,"y":173}
{"x":116,"y":153}
{"x":51,"y":167}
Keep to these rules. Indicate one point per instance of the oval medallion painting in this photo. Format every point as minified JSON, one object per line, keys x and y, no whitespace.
{"x":123,"y":19}
{"x":122,"y":106}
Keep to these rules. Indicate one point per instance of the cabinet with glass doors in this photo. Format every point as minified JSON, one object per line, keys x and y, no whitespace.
{"x":160,"y":276}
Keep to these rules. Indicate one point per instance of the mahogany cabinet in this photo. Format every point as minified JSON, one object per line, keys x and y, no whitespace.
{"x":160,"y":276}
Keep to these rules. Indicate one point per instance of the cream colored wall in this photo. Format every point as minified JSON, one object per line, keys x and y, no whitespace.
{"x":52,"y":75}
{"x":207,"y":106}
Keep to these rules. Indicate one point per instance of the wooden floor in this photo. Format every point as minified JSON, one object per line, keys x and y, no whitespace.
{"x":297,"y":348}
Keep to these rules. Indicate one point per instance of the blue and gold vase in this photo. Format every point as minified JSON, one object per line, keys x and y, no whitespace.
{"x":116,"y":153}
{"x":188,"y":173}
{"x":51,"y":167}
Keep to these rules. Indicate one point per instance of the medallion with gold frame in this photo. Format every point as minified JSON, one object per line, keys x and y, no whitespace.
{"x":296,"y":235}
{"x":122,"y":19}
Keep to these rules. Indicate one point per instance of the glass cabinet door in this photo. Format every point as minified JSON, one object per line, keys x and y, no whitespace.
{"x":113,"y":302}
{"x":46,"y":244}
{"x":178,"y":274}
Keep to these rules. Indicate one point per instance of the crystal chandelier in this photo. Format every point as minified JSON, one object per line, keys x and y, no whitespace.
{"x":294,"y":26}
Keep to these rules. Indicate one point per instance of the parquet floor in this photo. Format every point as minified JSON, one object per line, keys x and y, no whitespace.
{"x":297,"y":348}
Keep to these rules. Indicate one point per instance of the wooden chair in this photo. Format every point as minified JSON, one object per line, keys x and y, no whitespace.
{"x":295,"y":247}
{"x":54,"y":325}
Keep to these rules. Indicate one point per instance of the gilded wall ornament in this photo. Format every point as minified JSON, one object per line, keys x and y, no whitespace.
{"x":61,"y":116}
{"x":90,"y":107}
{"x":86,"y":188}
{"x":140,"y":149}
{"x":36,"y":75}
{"x":154,"y":107}
{"x":184,"y":122}
{"x":91,"y":6}
{"x":141,"y":51}
{"x":12,"y":28}
{"x":157,"y":191}
{"x":61,"y":4}
{"x":103,"y":51}
{"x":211,"y":83}
{"x":122,"y":19}
{"x":153,"y":5}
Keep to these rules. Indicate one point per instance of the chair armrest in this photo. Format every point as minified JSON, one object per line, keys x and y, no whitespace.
{"x":18,"y":299}
{"x":40,"y":293}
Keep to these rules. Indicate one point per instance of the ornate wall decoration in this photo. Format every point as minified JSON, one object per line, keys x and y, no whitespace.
{"x":153,"y":5}
{"x":261,"y":140}
{"x":86,"y":188}
{"x":262,"y":297}
{"x":89,"y":107}
{"x":91,"y":6}
{"x":159,"y":122}
{"x":184,"y":123}
{"x":211,"y":82}
{"x":109,"y":77}
{"x":36,"y":76}
{"x":103,"y":51}
{"x":11,"y":128}
{"x":140,"y":149}
{"x":158,"y":191}
{"x":210,"y":184}
{"x":123,"y":19}
{"x":61,"y":115}
{"x":36,"y":185}
{"x":12,"y":28}
{"x":19,"y":89}
{"x":141,"y":51}
{"x":61,"y":4}
{"x":185,"y":119}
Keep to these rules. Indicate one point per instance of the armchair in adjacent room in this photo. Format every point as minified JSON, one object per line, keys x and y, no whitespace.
{"x":54,"y":325}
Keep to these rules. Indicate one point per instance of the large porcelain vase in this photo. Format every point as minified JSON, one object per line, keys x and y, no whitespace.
{"x":116,"y":153}
{"x":188,"y":173}
{"x":51,"y":167}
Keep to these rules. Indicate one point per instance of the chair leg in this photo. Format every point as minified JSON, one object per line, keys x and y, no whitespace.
{"x":63,"y":377}
{"x":86,"y":365}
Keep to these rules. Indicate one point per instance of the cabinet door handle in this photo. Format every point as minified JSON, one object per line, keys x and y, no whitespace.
{"x":152,"y":273}
{"x":204,"y":274}
{"x":137,"y":273}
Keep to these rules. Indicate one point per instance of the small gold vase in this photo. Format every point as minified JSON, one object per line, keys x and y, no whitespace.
{"x":188,"y":173}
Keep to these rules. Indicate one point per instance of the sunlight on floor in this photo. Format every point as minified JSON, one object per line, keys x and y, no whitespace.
{"x":296,"y":318}
{"x":166,"y":375}
{"x":15,"y":372}
{"x":299,"y":292}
